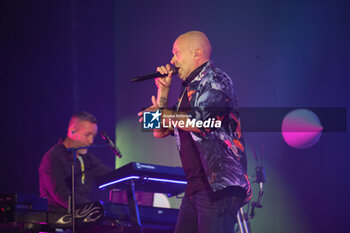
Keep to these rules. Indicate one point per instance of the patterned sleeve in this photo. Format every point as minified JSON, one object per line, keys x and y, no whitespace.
{"x":213,"y":102}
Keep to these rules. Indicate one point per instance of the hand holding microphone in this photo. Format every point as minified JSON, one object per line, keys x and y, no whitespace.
{"x":160,"y":73}
{"x":165,"y":81}
{"x":163,"y":85}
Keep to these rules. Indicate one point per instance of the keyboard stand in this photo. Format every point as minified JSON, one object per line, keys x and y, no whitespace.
{"x":133,"y":207}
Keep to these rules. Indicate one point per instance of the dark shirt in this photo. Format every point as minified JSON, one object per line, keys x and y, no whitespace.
{"x":189,"y":154}
{"x":55,"y":176}
{"x":221,"y":150}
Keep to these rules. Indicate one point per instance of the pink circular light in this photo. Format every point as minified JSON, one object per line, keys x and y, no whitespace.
{"x":301,"y":128}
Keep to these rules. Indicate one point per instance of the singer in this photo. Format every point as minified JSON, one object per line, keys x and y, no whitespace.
{"x":213,"y":159}
{"x":55,"y":167}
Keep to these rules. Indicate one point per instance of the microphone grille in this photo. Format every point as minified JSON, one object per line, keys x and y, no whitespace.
{"x":103,"y":135}
{"x":174,"y":69}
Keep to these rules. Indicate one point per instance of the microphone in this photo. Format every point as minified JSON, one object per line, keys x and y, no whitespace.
{"x":153,"y":75}
{"x":114,"y":148}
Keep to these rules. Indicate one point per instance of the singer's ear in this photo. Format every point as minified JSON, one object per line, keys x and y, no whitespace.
{"x":198,"y":54}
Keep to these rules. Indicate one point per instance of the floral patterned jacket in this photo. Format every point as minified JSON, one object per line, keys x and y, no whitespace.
{"x":222,"y":150}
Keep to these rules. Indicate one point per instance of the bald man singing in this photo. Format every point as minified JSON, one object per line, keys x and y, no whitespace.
{"x":208,"y":134}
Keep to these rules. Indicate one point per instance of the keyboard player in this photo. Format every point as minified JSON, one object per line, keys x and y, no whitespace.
{"x":55,"y":166}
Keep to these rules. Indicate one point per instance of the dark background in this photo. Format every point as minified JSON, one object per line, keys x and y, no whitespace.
{"x":59,"y":57}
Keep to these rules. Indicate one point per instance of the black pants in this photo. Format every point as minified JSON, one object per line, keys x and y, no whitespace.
{"x":208,"y":212}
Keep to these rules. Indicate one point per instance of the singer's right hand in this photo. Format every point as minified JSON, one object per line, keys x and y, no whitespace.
{"x":164,"y":82}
